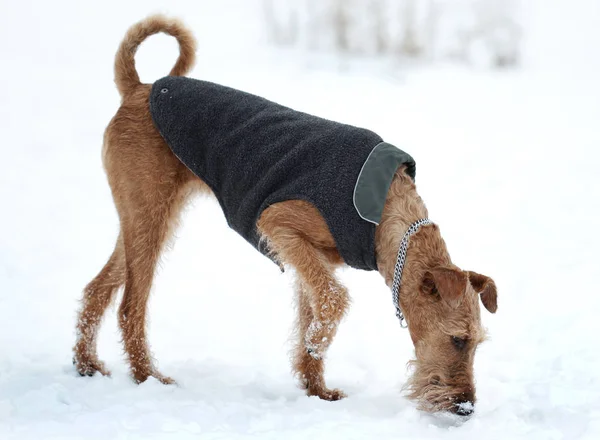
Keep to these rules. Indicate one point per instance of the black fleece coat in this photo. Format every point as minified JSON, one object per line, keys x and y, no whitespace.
{"x":254,"y":153}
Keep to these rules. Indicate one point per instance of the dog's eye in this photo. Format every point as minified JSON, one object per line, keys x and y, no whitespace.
{"x":459,"y":343}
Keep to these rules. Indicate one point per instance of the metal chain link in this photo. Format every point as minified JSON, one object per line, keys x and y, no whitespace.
{"x":400,"y":260}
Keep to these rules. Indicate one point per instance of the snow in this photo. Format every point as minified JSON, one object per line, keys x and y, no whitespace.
{"x":507,"y":167}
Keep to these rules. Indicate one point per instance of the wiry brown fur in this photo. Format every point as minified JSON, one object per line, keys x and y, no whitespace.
{"x":126,"y":76}
{"x":438,"y":299}
{"x":150,"y":186}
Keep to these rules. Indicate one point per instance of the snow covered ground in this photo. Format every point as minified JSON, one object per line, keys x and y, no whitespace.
{"x":508,"y":166}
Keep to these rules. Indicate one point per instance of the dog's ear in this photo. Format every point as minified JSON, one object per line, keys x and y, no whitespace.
{"x":486,"y":288}
{"x":447,"y":282}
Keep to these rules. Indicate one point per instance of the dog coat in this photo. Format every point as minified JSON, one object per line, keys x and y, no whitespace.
{"x":253,"y":153}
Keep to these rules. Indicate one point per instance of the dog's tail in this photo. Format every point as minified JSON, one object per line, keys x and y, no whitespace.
{"x":126,"y":77}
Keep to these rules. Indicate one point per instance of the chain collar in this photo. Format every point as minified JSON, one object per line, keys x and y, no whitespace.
{"x":400,"y":260}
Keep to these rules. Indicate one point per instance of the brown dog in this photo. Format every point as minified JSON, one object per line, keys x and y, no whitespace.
{"x":150,"y":186}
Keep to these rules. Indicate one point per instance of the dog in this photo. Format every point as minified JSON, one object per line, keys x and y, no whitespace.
{"x":165,"y":135}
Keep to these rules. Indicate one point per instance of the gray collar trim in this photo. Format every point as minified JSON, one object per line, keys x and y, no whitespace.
{"x":400,"y":260}
{"x":375,"y":178}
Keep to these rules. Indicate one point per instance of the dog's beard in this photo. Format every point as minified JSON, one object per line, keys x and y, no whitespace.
{"x":433,"y":392}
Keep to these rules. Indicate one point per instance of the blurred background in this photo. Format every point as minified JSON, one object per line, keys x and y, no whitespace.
{"x":497,"y":100}
{"x":484,"y":32}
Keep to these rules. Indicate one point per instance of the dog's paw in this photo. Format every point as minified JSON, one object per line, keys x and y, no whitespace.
{"x":140,"y":376}
{"x":327,"y":394}
{"x":165,"y":380}
{"x":89,"y":367}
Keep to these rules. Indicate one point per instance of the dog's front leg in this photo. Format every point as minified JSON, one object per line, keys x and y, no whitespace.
{"x":322,"y":301}
{"x":319,"y":314}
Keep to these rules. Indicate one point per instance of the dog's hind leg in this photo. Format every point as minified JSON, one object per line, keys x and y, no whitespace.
{"x":97,"y":295}
{"x":152,"y":212}
{"x":299,"y":236}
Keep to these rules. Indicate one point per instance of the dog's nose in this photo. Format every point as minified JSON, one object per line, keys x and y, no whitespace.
{"x":465,"y":408}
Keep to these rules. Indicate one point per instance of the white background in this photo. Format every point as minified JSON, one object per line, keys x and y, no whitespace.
{"x":508,"y":167}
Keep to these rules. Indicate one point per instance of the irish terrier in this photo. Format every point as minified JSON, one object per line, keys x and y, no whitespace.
{"x":311,"y":194}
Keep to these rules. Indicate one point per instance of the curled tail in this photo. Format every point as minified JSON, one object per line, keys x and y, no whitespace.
{"x":126,"y":77}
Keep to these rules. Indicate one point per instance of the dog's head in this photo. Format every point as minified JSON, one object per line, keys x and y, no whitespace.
{"x":443,"y":314}
{"x":441,"y":303}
